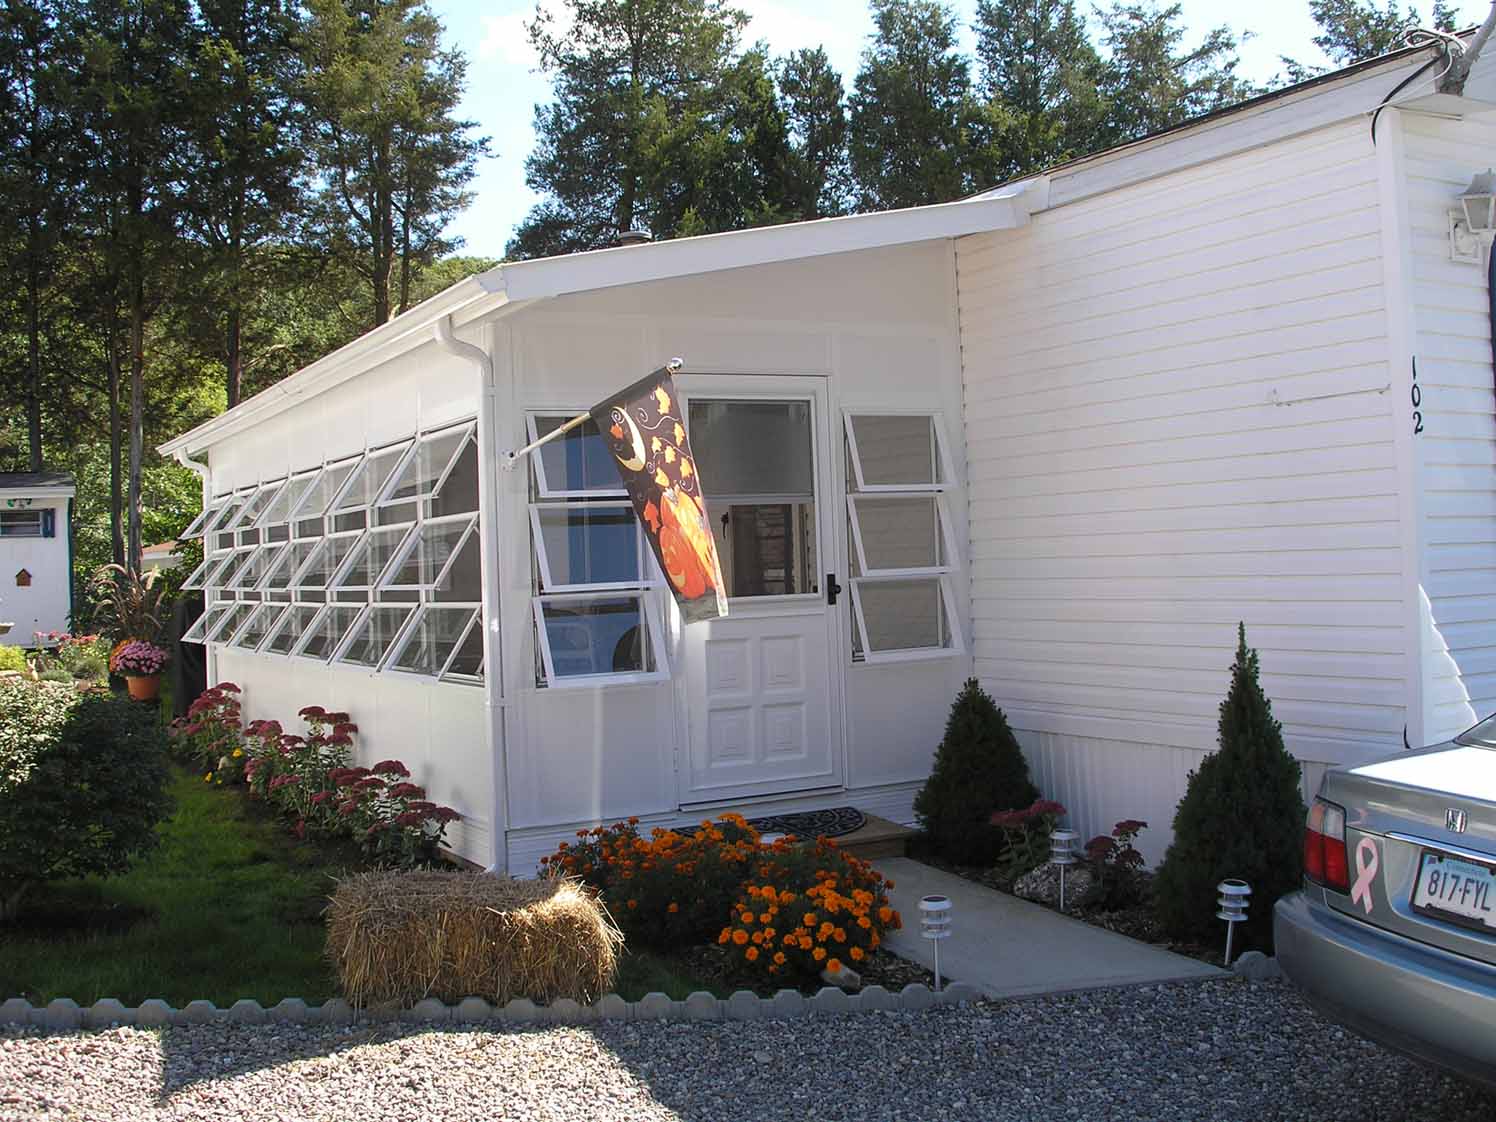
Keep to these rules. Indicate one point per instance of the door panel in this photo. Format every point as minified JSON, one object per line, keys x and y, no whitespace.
{"x":762,"y":715}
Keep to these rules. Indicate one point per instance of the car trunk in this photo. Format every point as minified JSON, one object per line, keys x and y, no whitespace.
{"x":1399,"y":814}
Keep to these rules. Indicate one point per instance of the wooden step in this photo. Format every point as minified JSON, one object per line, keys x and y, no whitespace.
{"x":878,"y":838}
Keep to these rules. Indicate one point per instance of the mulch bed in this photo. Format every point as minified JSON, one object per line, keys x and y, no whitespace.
{"x":881,"y":968}
{"x":1136,"y":922}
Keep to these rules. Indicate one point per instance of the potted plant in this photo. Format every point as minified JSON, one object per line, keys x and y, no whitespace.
{"x":141,"y":663}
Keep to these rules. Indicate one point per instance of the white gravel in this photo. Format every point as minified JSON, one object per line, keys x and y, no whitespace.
{"x":1217,"y":1050}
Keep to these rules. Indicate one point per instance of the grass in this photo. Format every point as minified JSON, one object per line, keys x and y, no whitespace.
{"x":228,"y":907}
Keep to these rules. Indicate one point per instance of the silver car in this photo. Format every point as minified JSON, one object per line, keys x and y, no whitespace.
{"x":1394,"y":932}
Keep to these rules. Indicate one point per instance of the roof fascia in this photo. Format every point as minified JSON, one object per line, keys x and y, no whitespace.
{"x":39,"y":492}
{"x":764,"y":245}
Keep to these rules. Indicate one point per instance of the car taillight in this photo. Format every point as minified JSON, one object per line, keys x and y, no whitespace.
{"x":1324,"y":847}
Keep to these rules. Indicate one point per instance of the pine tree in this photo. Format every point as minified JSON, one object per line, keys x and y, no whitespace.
{"x":911,"y":139}
{"x":813,"y":101}
{"x":979,"y":768}
{"x":1353,"y":30}
{"x":1242,"y":816}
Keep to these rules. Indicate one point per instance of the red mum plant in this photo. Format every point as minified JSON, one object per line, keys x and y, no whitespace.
{"x":1025,"y":837}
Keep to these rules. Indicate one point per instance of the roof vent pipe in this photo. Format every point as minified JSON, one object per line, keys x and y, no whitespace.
{"x":642,"y":237}
{"x":1459,"y":68}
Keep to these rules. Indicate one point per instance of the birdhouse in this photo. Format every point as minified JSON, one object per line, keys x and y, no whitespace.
{"x":23,"y":579}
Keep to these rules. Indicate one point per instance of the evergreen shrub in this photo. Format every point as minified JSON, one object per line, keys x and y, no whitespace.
{"x":979,"y":769}
{"x":1242,"y":816}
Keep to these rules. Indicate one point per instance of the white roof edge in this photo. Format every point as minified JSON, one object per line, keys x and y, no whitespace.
{"x":514,"y":285}
{"x":49,"y":491}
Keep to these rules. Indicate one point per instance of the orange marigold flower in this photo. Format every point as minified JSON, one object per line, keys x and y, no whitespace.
{"x":633,"y":904}
{"x":751,"y":953}
{"x":740,"y":936}
{"x":885,"y":913}
{"x":673,"y":908}
{"x":833,"y":965}
{"x":764,"y":917}
{"x":778,"y":958}
{"x":726,"y":935}
{"x":818,"y":954}
{"x":839,"y":935}
{"x":809,"y":919}
{"x":746,"y":917}
{"x":857,"y":954}
{"x":863,"y":922}
{"x":758,"y":937}
{"x":805,"y":943}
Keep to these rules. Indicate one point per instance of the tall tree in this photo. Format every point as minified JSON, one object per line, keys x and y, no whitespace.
{"x":910,"y":137}
{"x":1040,"y":72}
{"x":244,"y":162}
{"x":1153,"y":81}
{"x":394,"y":161}
{"x":814,"y":106}
{"x":633,"y":82}
{"x":1352,"y":30}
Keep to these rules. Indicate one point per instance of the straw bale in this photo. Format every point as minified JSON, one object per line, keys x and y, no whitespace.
{"x":405,"y":936}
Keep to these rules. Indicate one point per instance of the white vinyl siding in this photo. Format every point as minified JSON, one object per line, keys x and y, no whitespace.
{"x":1455,"y":454}
{"x":1177,"y":417}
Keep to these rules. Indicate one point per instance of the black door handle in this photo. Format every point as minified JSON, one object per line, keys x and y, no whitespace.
{"x":832,"y":588}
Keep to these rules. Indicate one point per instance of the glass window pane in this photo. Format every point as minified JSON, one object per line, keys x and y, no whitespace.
{"x":198,"y":577}
{"x":204,"y":519}
{"x":459,"y":494}
{"x":900,"y":533}
{"x":204,"y":623}
{"x":254,"y":631}
{"x":419,"y":477}
{"x":753,"y":449}
{"x":598,"y":635}
{"x":433,"y":639}
{"x":468,"y":662}
{"x":226,"y":514}
{"x":250,"y":514}
{"x":309,"y":514}
{"x":256,"y":566}
{"x":290,"y":627}
{"x":230,"y":621}
{"x":897,"y":451}
{"x":223,"y":576}
{"x":286,"y":563}
{"x":767,"y":549}
{"x":593,"y":544}
{"x":330,"y":628}
{"x":370,"y":478}
{"x":429,"y":553}
{"x":904,"y":615}
{"x":325,"y":559}
{"x":374,"y":551}
{"x":578,"y":461}
{"x":373,"y":636}
{"x":279,"y":508}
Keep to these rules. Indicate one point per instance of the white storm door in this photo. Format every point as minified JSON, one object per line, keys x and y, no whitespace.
{"x":762,"y":713}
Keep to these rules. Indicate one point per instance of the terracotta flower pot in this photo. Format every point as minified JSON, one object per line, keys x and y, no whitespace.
{"x":143,"y":687}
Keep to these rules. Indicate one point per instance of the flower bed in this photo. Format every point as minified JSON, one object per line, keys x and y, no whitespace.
{"x":311,"y":781}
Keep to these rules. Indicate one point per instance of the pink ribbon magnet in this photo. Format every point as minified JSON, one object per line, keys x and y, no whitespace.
{"x":1366,"y":871}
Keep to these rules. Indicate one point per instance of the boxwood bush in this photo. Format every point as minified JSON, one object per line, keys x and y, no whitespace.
{"x":82,"y":785}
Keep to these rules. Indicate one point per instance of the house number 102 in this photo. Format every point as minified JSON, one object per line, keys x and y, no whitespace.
{"x":1416,"y":394}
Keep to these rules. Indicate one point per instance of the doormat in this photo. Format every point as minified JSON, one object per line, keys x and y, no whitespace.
{"x":832,"y":823}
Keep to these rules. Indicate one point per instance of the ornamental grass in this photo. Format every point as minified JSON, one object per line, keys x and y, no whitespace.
{"x":403,"y":936}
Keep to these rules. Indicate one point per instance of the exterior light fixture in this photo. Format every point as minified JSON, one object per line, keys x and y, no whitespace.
{"x":1232,"y":901}
{"x":1062,"y":853}
{"x":1472,"y":228}
{"x":935,"y":925}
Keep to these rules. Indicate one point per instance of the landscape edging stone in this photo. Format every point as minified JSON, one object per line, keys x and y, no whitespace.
{"x":63,"y":1014}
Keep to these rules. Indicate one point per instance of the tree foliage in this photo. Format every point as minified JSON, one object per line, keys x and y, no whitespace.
{"x":1242,"y":816}
{"x":1353,"y":30}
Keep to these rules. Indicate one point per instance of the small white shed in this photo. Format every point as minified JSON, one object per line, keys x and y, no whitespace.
{"x":36,"y":562}
{"x":1062,"y":436}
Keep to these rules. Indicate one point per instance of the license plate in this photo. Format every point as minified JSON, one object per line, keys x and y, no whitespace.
{"x":1456,"y":888}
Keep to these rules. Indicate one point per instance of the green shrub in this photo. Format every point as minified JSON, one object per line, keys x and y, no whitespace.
{"x":12,"y":658}
{"x":1242,"y":815}
{"x":56,"y":674}
{"x":979,"y":768}
{"x":82,"y":785}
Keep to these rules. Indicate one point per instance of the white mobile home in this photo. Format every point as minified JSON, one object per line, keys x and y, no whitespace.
{"x":36,"y":555}
{"x":1062,"y":436}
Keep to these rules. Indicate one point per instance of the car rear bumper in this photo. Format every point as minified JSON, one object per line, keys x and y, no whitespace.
{"x":1428,"y":1003}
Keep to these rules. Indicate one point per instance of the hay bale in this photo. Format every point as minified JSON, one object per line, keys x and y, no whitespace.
{"x":404,"y":936}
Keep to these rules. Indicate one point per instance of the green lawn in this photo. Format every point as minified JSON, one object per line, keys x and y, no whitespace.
{"x":228,"y":907}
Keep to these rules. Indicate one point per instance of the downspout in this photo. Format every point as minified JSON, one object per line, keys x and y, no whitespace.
{"x":1454,"y":81}
{"x":493,"y":704}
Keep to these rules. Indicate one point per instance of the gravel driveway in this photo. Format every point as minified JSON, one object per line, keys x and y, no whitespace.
{"x":1217,"y":1050}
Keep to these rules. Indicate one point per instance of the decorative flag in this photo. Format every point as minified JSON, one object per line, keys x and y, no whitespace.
{"x":647,"y":436}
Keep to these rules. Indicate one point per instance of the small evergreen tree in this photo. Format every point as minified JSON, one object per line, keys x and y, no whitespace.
{"x":979,"y":768}
{"x":1242,"y":816}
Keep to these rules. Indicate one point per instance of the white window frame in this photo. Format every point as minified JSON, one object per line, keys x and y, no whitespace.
{"x":942,"y":513}
{"x":544,"y":489}
{"x":253,"y":552}
{"x":298,"y":651}
{"x":267,"y":607}
{"x":299,"y":515}
{"x":942,"y":452}
{"x":262,"y":523}
{"x":199,"y":525}
{"x":408,"y":546}
{"x":281,"y":561}
{"x":475,"y":619}
{"x":400,"y":450}
{"x":339,"y":655}
{"x":469,"y":434}
{"x":215,"y":634}
{"x":649,"y":576}
{"x":345,"y":570}
{"x":870,"y":654}
{"x":648,"y":611}
{"x":282,"y":622}
{"x":297,"y":581}
{"x":202,"y":623}
{"x":197,"y":580}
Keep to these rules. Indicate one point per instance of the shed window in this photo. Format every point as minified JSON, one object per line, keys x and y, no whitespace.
{"x":259,"y":625}
{"x":350,"y":511}
{"x":275,"y":520}
{"x":596,"y":614}
{"x":326,"y":559}
{"x":444,"y":641}
{"x":326,"y":632}
{"x":204,"y":519}
{"x":308,"y":516}
{"x":374,"y":635}
{"x":205,"y":623}
{"x":228,"y":622}
{"x":290,"y":627}
{"x":375,"y":550}
{"x":440,"y":558}
{"x":901,"y":544}
{"x":425,"y":474}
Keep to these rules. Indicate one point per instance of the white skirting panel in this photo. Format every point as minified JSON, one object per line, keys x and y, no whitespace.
{"x":894,"y":802}
{"x":1100,"y":782}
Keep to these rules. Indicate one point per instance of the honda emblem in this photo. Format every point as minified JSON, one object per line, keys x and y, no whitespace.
{"x":1454,"y":820}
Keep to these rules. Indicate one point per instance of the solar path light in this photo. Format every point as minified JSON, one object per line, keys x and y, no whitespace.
{"x":935,"y":925}
{"x":1232,"y":902}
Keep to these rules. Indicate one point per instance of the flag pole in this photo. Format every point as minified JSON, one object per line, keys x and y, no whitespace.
{"x":672,"y":367}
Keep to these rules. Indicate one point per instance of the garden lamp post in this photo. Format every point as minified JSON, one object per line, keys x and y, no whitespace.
{"x":1062,"y":853}
{"x":935,"y":925}
{"x":1232,"y":901}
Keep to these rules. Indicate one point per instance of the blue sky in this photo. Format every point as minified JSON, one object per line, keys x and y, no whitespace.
{"x":504,"y":86}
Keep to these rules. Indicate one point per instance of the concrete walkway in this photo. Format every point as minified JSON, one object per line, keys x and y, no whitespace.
{"x":1008,"y":947}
